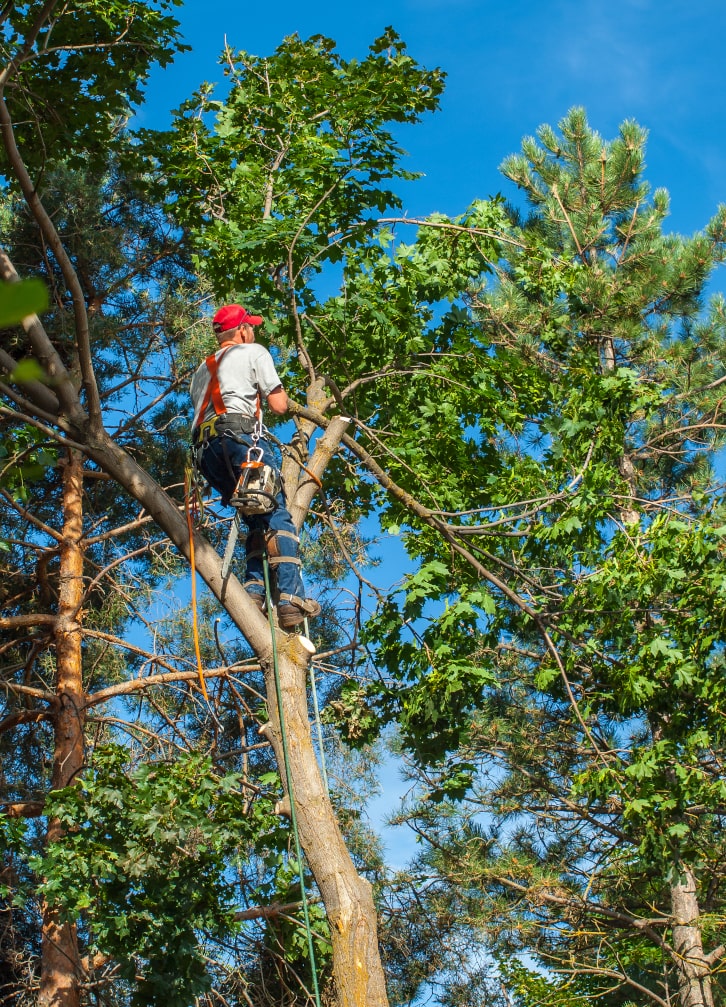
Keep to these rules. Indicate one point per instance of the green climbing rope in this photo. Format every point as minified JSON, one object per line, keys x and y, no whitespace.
{"x":288,"y":780}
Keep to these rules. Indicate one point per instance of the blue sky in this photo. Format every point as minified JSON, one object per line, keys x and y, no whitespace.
{"x":510,"y":67}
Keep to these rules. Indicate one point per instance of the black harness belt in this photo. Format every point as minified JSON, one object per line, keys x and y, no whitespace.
{"x":217,"y":425}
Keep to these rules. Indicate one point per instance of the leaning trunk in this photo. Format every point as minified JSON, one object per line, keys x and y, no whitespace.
{"x":692,"y":965}
{"x":60,"y":965}
{"x":347,"y":897}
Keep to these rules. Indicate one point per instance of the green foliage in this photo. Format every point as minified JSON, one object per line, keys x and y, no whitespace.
{"x":528,"y":988}
{"x":146,"y":853}
{"x":658,"y":605}
{"x":74,"y":73}
{"x":445,"y":677}
{"x":17,"y":301}
{"x":25,"y":455}
{"x":566,"y":398}
{"x":297,"y":159}
{"x":563,"y":630}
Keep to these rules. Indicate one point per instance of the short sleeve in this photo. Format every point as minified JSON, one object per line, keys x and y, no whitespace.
{"x":265,"y":373}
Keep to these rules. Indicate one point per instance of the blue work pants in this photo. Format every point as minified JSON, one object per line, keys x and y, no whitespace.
{"x":220,"y":461}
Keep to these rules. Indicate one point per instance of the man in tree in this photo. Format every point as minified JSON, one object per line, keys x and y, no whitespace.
{"x":227,"y":392}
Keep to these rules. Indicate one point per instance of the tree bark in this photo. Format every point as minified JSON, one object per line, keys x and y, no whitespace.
{"x":60,"y":962}
{"x":692,"y":965}
{"x":347,"y":897}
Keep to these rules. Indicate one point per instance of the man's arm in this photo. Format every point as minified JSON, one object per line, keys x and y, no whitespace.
{"x":277,"y":400}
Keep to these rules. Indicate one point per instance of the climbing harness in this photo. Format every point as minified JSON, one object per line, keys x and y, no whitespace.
{"x":259,"y":483}
{"x":212,"y":395}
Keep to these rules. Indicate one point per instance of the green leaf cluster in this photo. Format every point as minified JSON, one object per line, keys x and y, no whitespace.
{"x":147,"y":854}
{"x":17,"y":301}
{"x":25,"y":455}
{"x":74,"y":72}
{"x":283,"y":176}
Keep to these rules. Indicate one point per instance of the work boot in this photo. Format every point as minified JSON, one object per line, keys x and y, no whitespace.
{"x":292,"y":613}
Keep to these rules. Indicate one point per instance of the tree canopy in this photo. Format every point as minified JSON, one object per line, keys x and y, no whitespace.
{"x":528,"y":396}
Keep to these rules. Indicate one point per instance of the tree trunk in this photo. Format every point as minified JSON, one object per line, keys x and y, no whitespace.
{"x":629,"y":515}
{"x":692,"y":965}
{"x":347,"y":897}
{"x":60,"y":964}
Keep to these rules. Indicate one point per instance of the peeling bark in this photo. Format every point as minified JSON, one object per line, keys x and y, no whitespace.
{"x":60,"y":962}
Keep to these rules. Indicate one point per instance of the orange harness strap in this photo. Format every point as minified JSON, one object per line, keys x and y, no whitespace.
{"x":213,"y":392}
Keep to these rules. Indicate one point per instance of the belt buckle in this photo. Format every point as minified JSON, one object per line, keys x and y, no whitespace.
{"x":207,"y":429}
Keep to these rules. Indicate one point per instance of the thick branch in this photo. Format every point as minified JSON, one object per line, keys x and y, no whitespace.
{"x":23,"y":809}
{"x":312,"y":474}
{"x":24,"y":717}
{"x":39,"y":393}
{"x":136,"y":685}
{"x":33,"y":619}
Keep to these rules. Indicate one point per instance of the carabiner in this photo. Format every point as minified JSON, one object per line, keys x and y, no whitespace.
{"x":252,"y":463}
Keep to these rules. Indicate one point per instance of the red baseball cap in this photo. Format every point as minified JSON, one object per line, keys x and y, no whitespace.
{"x":232,"y":315}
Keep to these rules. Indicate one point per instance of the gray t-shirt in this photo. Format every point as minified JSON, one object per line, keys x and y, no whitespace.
{"x":244,"y":368}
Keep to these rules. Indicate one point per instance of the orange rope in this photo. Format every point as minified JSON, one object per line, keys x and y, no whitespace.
{"x":312,"y":475}
{"x":195,"y":627}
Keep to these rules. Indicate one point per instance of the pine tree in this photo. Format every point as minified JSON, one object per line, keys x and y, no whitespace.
{"x":571,"y":682}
